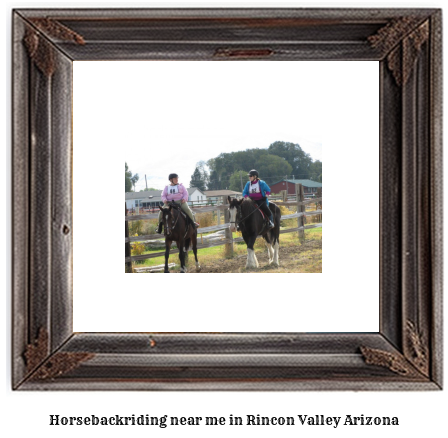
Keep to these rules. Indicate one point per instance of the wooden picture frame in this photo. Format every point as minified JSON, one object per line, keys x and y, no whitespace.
{"x":406,"y":353}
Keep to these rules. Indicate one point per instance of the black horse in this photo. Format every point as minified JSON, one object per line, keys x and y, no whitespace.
{"x":252,"y":224}
{"x":178,"y":228}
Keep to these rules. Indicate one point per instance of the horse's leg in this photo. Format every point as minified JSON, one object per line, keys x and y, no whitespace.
{"x":268,"y":239}
{"x":167,"y":255}
{"x":194,"y":243}
{"x":276,"y":235}
{"x":180,"y":245}
{"x":252,"y":261}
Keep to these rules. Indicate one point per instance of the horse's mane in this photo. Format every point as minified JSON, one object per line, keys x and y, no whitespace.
{"x":248,"y":206}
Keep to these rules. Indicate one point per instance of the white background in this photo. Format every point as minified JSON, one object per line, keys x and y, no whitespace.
{"x":308,"y":101}
{"x":420,"y":414}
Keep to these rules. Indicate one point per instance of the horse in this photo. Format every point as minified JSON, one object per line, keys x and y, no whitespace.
{"x":177,"y":229}
{"x":252,"y":224}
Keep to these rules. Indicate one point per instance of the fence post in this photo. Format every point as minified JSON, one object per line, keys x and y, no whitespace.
{"x":319,"y":195}
{"x":300,"y":197}
{"x":284,"y":195}
{"x":127,"y":245}
{"x":218,"y":212}
{"x":228,"y":246}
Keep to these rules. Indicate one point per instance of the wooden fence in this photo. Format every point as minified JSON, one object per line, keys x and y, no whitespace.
{"x":228,"y":240}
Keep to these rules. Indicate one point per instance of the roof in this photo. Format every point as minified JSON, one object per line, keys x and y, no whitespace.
{"x":193,"y":189}
{"x":141,"y":195}
{"x":155,"y":194}
{"x":304,"y":182}
{"x":221,"y":192}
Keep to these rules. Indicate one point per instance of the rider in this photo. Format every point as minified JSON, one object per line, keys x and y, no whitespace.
{"x":258,"y":191}
{"x":179,"y":194}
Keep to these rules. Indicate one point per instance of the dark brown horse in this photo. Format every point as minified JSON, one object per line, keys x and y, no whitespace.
{"x":178,"y":228}
{"x":251,"y":222}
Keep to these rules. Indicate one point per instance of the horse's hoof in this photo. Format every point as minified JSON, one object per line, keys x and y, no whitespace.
{"x":198,"y":269}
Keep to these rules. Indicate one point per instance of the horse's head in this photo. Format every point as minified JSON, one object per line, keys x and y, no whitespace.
{"x":234,"y":206}
{"x":168,"y":218}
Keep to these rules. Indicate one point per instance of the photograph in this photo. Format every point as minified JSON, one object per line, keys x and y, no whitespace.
{"x":216,"y":145}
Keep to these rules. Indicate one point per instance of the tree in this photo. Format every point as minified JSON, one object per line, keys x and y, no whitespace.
{"x":130,"y":179}
{"x":150,"y":189}
{"x":225,"y":164}
{"x":201,"y":165}
{"x":238,"y":180}
{"x":295,"y":156}
{"x":272,"y":166}
{"x":316,"y":171}
{"x":196,"y":180}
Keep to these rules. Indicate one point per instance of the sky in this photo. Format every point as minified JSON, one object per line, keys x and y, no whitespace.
{"x":163,"y":122}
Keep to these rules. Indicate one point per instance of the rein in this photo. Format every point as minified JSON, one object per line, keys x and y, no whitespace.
{"x":244,"y":218}
{"x":179,"y":212}
{"x":174,"y":223}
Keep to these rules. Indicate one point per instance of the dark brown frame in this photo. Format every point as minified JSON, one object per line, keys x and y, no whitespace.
{"x":406,"y":354}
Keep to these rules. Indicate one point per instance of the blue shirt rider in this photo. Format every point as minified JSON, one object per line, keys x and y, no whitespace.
{"x":258,"y":191}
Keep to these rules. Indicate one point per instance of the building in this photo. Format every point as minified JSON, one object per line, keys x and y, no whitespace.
{"x":309,"y":186}
{"x":196,"y":196}
{"x":216,"y":195}
{"x":153,"y":198}
{"x":148,"y":199}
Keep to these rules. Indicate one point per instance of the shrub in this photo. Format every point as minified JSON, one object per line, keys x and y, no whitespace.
{"x":207,"y":219}
{"x":135,"y":228}
{"x":137,"y":248}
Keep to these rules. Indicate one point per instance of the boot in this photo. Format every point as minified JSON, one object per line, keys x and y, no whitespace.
{"x":271,"y":222}
{"x":159,"y":229}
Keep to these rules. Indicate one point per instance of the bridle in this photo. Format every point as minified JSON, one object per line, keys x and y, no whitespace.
{"x":239,"y":212}
{"x":168,"y":230}
{"x":174,"y":223}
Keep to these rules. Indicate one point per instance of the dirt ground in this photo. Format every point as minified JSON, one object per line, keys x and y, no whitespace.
{"x":301,"y":258}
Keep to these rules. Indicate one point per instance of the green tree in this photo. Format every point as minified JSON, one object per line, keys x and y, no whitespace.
{"x":295,"y":156}
{"x":148,"y":189}
{"x":316,"y":171}
{"x":202,"y":167}
{"x":225,"y":164}
{"x":130,"y":179}
{"x":238,"y":180}
{"x":196,"y":180}
{"x":272,"y":166}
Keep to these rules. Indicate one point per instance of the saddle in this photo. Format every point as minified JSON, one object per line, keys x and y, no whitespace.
{"x":188,"y":221}
{"x":263,"y":215}
{"x":265,"y":218}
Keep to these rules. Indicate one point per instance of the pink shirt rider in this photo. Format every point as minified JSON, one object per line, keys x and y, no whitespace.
{"x":182,"y":193}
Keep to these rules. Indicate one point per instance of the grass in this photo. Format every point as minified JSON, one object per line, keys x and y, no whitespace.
{"x":216,"y":253}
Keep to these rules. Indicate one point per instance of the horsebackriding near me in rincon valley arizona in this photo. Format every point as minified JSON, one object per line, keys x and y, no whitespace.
{"x":175,"y":192}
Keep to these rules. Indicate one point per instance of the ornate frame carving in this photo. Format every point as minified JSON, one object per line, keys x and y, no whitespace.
{"x":406,"y":354}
